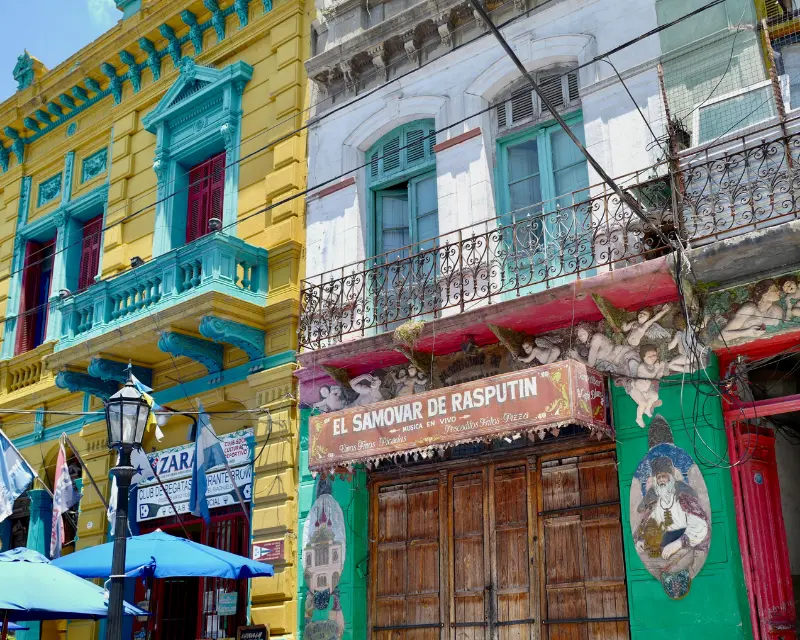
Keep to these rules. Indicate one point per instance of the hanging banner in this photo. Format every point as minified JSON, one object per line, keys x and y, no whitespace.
{"x":536,"y":399}
{"x":174,"y":467}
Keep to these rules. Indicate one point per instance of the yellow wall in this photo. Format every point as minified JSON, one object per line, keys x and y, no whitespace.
{"x":275,"y":45}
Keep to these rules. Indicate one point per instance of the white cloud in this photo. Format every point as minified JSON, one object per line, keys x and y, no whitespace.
{"x":103,"y":13}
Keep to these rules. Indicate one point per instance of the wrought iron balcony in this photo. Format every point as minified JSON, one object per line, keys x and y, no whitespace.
{"x":216,"y":262}
{"x":742,"y":184}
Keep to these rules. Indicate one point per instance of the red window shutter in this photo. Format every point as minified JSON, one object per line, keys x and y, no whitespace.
{"x":206,"y":191}
{"x":217,"y":187}
{"x":90,"y":252}
{"x":31,"y":280}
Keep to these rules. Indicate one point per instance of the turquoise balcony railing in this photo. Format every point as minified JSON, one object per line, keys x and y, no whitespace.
{"x":216,"y":262}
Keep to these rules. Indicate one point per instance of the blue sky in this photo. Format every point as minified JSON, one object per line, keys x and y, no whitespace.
{"x":51,"y":30}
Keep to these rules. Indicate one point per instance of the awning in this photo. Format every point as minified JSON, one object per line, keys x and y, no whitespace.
{"x":530,"y":401}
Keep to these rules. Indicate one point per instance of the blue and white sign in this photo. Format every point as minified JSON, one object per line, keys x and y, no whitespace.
{"x":174,"y":467}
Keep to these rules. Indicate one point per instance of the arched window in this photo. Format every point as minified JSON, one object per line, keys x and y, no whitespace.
{"x":402,"y":191}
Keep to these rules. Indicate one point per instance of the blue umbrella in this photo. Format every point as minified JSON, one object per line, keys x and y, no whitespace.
{"x":31,"y":588}
{"x":161,"y":555}
{"x":15,"y":627}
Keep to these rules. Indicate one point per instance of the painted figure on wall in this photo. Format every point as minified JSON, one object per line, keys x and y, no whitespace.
{"x":539,"y":351}
{"x":323,"y":557}
{"x":753,"y":318}
{"x":644,"y":387}
{"x":670,"y":512}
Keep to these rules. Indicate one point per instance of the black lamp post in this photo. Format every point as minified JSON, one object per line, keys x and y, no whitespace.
{"x":126,"y":418}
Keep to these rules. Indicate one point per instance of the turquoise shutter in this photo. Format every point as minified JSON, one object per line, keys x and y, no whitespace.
{"x":569,"y":168}
{"x":424,"y":209}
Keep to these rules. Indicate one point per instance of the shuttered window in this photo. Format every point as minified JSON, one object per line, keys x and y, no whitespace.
{"x":90,"y":252}
{"x":511,"y":550}
{"x":409,"y":147}
{"x":33,"y":310}
{"x":206,"y":193}
{"x":525,"y":106}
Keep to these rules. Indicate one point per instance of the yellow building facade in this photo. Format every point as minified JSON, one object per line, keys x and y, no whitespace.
{"x":146,"y":216}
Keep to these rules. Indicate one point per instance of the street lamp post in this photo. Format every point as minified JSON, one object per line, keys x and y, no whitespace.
{"x":126,"y":418}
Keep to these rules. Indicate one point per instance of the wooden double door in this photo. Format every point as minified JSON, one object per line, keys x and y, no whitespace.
{"x":506,"y":550}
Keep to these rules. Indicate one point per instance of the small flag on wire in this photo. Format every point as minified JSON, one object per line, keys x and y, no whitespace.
{"x":64,"y":496}
{"x":152,"y":420}
{"x":208,"y":453}
{"x":15,"y":475}
{"x":143,"y":471}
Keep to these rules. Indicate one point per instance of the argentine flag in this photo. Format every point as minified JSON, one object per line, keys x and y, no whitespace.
{"x":208,"y":453}
{"x":15,"y":476}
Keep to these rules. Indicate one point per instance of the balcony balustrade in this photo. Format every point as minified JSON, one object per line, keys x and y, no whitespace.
{"x":742,"y":184}
{"x":216,"y":262}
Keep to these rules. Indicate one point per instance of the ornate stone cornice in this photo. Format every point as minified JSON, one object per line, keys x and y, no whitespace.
{"x":403,"y":30}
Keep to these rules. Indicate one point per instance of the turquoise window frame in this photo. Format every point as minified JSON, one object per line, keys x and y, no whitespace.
{"x":541,"y":133}
{"x":417,"y":171}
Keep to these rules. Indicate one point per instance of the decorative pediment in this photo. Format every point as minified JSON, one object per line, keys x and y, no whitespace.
{"x":195,"y":85}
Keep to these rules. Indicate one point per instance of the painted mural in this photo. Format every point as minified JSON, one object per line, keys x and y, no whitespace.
{"x":753,"y":311}
{"x":323,"y":556}
{"x":636,"y":349}
{"x":670,"y":512}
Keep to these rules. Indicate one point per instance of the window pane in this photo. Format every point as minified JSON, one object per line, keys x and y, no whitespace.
{"x":526,"y":193}
{"x":426,"y":196}
{"x":523,"y":160}
{"x":736,"y":113}
{"x":395,"y":233}
{"x":569,"y":169}
{"x":565,"y":152}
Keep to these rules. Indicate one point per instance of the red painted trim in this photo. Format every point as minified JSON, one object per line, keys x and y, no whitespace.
{"x":762,"y":408}
{"x":452,"y":142}
{"x":757,"y":349}
{"x":335,"y":187}
{"x":741,"y":527}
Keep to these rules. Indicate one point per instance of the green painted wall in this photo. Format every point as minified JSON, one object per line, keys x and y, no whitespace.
{"x":716,"y":605}
{"x":353,"y":498}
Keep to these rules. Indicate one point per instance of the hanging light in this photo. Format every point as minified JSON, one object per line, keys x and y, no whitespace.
{"x":126,"y":417}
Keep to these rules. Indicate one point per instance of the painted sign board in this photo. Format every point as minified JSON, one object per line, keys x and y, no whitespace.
{"x":535,"y":399}
{"x":268,"y":551}
{"x":174,"y":467}
{"x":153,"y":503}
{"x":176,"y":462}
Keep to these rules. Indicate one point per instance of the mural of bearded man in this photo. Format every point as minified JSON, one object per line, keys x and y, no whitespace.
{"x":670,"y":512}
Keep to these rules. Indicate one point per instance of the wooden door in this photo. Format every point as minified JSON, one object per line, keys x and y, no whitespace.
{"x":405,"y":561}
{"x":582,"y":563}
{"x":516,"y":550}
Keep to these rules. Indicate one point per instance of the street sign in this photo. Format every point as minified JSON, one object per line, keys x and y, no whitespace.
{"x":268,"y":551}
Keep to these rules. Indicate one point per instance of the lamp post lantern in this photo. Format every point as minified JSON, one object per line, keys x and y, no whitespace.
{"x":126,"y":418}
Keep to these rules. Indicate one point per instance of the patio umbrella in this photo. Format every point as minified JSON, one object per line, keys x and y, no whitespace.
{"x":31,"y":588}
{"x":161,"y":555}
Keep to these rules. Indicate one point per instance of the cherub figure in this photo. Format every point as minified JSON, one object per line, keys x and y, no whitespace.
{"x":604,"y":355}
{"x":692,"y":354}
{"x":405,"y":380}
{"x":421,"y":382}
{"x":368,"y":388}
{"x":791,"y":296}
{"x":752,"y":318}
{"x":540,"y":349}
{"x":644,"y":388}
{"x":645,"y":326}
{"x":332,"y":398}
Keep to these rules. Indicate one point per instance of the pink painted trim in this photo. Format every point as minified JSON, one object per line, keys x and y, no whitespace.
{"x":452,"y":142}
{"x":335,"y":187}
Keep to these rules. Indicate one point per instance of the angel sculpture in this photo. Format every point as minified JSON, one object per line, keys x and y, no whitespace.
{"x":645,"y":326}
{"x":543,"y":350}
